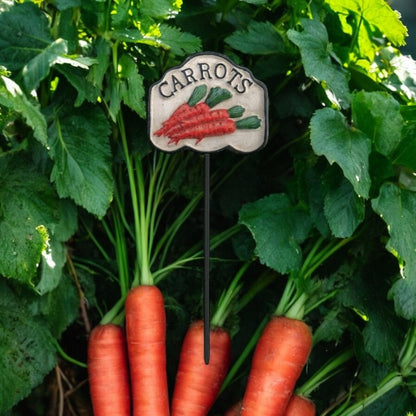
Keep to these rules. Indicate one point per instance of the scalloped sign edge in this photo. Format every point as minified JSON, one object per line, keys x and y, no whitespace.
{"x":207,"y":104}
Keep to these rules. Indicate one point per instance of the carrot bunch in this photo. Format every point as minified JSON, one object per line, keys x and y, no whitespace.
{"x":198,"y":120}
{"x":127,"y":367}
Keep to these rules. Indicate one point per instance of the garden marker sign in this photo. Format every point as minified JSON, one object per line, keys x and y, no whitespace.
{"x":208,"y":104}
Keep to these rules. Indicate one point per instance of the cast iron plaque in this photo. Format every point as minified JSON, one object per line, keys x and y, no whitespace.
{"x":208,"y":104}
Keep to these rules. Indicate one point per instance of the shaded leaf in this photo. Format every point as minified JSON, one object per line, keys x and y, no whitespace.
{"x":247,"y":41}
{"x":28,"y":208}
{"x":58,"y":308}
{"x":180,"y":43}
{"x":38,"y":67}
{"x":131,"y":86}
{"x":340,"y":143}
{"x":24,"y":32}
{"x":67,"y":4}
{"x":397,"y":207}
{"x":77,"y":78}
{"x":344,"y":209}
{"x":378,"y":115}
{"x":80,"y":149}
{"x":27,"y":353}
{"x":277,"y":228}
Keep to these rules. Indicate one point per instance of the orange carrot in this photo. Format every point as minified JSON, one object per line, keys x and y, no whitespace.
{"x":146,"y":347}
{"x":197,"y":384}
{"x":209,"y":129}
{"x":234,"y":410}
{"x":278,"y":360}
{"x":108,"y":371}
{"x":183,"y":112}
{"x":197,"y":119}
{"x":300,"y":406}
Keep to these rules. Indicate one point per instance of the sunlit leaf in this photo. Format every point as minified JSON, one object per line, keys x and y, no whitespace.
{"x":12,"y":96}
{"x":319,"y":62}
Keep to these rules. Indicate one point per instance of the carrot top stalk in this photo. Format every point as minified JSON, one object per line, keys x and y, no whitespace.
{"x":286,"y":341}
{"x":217,"y":95}
{"x":197,"y":95}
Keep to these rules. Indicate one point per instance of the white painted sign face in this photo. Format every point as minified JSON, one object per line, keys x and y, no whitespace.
{"x":208,"y":104}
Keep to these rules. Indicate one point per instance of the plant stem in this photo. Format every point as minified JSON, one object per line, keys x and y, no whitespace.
{"x":134,"y":199}
{"x":328,"y":370}
{"x":66,"y":357}
{"x":390,"y":382}
{"x":245,"y":353}
{"x":227,"y":298}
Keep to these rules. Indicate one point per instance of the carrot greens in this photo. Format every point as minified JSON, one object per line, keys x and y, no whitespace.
{"x":317,"y":227}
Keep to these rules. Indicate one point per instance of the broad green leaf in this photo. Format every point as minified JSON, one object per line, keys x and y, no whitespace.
{"x":397,"y":401}
{"x":373,"y":13}
{"x":97,"y":71}
{"x":57,"y":308}
{"x":331,"y":328}
{"x":316,"y":199}
{"x":24,"y":33}
{"x":365,"y":291}
{"x":159,"y":8}
{"x":344,"y":209}
{"x":397,"y":207}
{"x":344,"y":145}
{"x":247,"y":41}
{"x":256,"y":2}
{"x":319,"y":62}
{"x":67,"y":4}
{"x":278,"y":228}
{"x":38,"y":67}
{"x":12,"y":96}
{"x":405,"y":154}
{"x":27,"y":353}
{"x":54,"y":256}
{"x":120,"y":16}
{"x":402,"y":78}
{"x":127,"y":87}
{"x":28,"y":210}
{"x":80,"y":149}
{"x":76,"y":76}
{"x":166,"y":37}
{"x":131,"y":85}
{"x":378,"y":115}
{"x":180,"y":43}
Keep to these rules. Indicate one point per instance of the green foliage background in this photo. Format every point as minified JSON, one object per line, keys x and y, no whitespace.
{"x":339,"y":170}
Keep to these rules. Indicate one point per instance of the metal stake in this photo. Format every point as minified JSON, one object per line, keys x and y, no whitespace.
{"x":206,"y":257}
